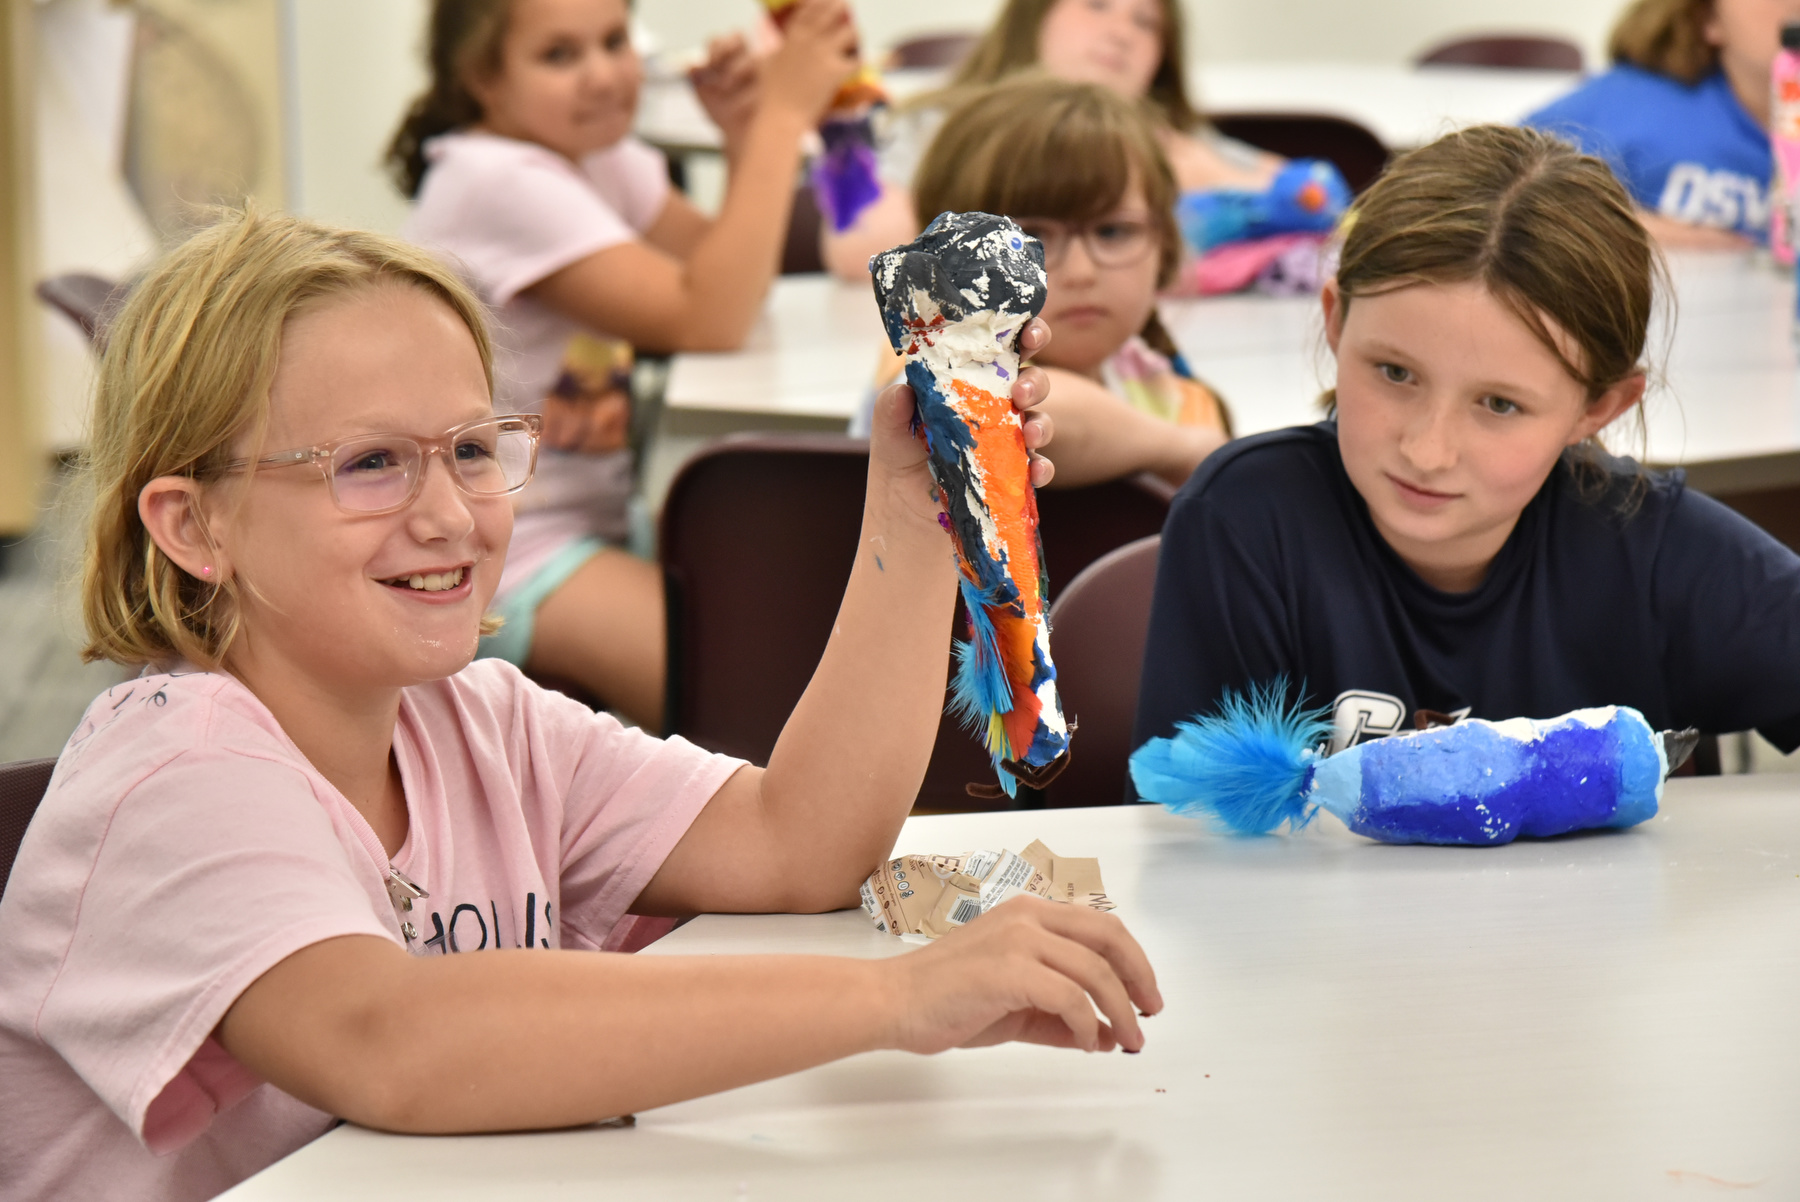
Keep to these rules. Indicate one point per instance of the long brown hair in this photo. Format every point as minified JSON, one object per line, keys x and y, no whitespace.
{"x":1545,"y":229}
{"x":1034,"y":146}
{"x":185,"y":376}
{"x":1011,"y":45}
{"x":1668,"y":37}
{"x":465,"y":36}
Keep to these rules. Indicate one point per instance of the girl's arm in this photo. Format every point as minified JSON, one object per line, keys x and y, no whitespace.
{"x":517,"y":1040}
{"x":708,"y":298}
{"x":1102,"y":437}
{"x":803,"y":834}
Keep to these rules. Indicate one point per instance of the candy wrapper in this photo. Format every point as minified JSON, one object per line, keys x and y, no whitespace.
{"x":929,"y":896}
{"x":954,"y":302}
{"x":1257,"y":764}
{"x":844,"y":177}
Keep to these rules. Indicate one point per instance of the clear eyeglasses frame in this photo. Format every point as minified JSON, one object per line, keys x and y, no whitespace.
{"x":371,"y":474}
{"x":1110,"y":242}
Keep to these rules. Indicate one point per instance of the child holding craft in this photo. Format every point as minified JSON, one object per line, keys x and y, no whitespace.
{"x":1455,"y":541}
{"x":1080,"y":169}
{"x":1683,"y":116}
{"x":1133,"y":47}
{"x":236,"y":916}
{"x":525,"y":173}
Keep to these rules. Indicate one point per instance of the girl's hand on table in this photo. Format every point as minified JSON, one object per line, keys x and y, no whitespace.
{"x":898,"y":453}
{"x":818,"y":52}
{"x":1028,"y":970}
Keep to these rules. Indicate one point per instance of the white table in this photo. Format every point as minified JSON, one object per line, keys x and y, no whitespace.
{"x":812,"y":354}
{"x":1403,"y":106}
{"x":1728,"y":408}
{"x":1599,"y":1017}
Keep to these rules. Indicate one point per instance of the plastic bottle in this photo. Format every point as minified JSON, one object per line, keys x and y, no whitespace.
{"x":1784,"y":141}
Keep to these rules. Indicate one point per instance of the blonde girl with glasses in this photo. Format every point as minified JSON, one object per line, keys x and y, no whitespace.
{"x":315,"y":864}
{"x":1082,"y":170}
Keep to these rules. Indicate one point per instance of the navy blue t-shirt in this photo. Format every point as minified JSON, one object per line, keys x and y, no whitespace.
{"x":1689,"y":152}
{"x":1272,"y":568}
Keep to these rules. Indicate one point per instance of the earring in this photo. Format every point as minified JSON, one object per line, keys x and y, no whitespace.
{"x":206,"y":571}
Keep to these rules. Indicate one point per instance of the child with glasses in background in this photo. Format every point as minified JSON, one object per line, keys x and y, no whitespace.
{"x":250,"y":902}
{"x":1079,"y":168}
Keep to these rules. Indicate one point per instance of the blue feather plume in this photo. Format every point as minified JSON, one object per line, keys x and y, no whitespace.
{"x":1247,"y":766}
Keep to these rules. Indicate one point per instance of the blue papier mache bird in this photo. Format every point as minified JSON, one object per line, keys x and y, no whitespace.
{"x":1257,"y":764}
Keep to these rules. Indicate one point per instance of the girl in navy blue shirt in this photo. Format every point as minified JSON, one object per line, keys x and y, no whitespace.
{"x":1683,"y":116}
{"x":1455,"y":541}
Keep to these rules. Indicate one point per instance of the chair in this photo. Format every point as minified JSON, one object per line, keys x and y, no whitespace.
{"x":1776,"y":510}
{"x":758,"y":536}
{"x":1100,"y":623}
{"x":931,"y":50}
{"x":1359,"y":154}
{"x":85,"y":299}
{"x":22,"y":785}
{"x":800,"y":254}
{"x":1513,"y":51}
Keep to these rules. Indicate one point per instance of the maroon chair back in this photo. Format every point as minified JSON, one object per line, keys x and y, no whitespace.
{"x":1359,"y":154}
{"x":85,"y":299}
{"x":800,"y":254}
{"x":1516,"y":51}
{"x":758,"y":536}
{"x":22,"y":785}
{"x":932,"y":50}
{"x":1099,"y":625}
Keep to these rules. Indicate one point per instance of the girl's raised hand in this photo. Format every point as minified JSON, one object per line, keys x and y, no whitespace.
{"x":894,"y":448}
{"x":726,"y":86}
{"x":1028,"y":970}
{"x":818,"y":52}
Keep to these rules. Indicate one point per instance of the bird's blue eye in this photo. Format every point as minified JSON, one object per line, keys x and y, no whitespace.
{"x":1017,"y":245}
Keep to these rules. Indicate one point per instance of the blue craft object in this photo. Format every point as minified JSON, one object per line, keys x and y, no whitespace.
{"x":1256,"y":764}
{"x":1306,"y":196}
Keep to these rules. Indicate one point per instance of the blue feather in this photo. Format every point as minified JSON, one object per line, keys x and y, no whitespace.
{"x":1247,"y":766}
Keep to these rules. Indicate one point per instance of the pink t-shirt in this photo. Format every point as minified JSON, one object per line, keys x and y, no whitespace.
{"x":186,"y":846}
{"x":509,"y":213}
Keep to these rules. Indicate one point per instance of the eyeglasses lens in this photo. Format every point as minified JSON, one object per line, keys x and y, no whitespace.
{"x":1108,"y":243}
{"x":377,"y":474}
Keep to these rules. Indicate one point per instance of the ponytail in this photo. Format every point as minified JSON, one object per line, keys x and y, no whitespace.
{"x":464,"y":36}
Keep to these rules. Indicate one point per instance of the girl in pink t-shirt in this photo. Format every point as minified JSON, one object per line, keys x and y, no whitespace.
{"x":240,"y":910}
{"x":521,"y":161}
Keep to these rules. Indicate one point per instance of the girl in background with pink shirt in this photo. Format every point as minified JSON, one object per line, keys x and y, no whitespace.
{"x":526,"y":176}
{"x":238,"y":914}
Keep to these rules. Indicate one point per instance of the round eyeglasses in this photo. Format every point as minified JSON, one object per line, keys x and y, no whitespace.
{"x":1112,"y":242}
{"x":381,"y":473}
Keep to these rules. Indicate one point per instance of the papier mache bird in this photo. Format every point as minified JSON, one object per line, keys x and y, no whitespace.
{"x":955,"y":301}
{"x":1256,"y":764}
{"x":843,"y":177}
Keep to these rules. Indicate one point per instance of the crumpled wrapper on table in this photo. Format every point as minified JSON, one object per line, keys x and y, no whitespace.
{"x":922,"y":897}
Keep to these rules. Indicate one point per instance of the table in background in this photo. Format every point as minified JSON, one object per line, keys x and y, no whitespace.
{"x":1595,"y":1017}
{"x":1727,"y":409}
{"x":1403,"y":106}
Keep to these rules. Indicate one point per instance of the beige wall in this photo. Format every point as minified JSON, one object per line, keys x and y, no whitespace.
{"x":20,"y":466}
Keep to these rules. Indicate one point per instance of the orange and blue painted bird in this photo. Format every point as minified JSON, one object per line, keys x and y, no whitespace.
{"x":955,"y":301}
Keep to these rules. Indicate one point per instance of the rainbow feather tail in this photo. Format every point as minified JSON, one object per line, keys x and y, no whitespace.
{"x":1248,"y":766}
{"x":998,"y":690}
